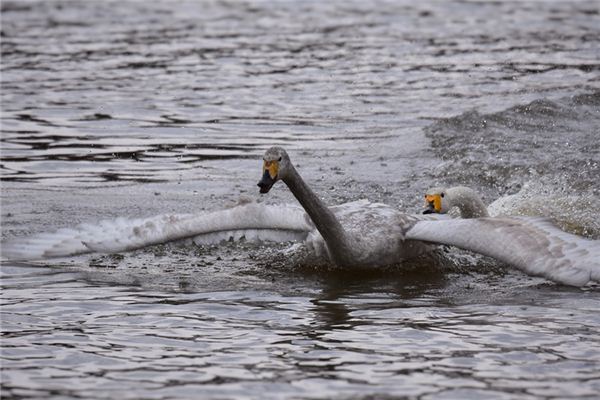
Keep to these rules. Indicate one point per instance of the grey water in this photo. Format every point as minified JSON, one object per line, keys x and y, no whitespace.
{"x":127,"y":108}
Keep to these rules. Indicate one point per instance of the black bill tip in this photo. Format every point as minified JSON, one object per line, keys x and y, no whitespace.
{"x":430,"y":208}
{"x":266,"y":182}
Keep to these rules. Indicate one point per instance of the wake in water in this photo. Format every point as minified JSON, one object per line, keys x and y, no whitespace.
{"x":571,"y":212}
{"x":551,"y":143}
{"x":538,"y":159}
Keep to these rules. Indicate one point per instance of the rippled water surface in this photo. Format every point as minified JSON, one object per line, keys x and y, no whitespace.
{"x":135,"y":109}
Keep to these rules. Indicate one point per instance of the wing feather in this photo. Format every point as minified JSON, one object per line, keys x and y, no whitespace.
{"x":534,"y":245}
{"x":252,"y":221}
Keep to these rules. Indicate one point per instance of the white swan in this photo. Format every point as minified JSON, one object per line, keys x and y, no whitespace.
{"x":359,"y":234}
{"x":532,"y":244}
{"x":376,"y":234}
{"x":373,"y":234}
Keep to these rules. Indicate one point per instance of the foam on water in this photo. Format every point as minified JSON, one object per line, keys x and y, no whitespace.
{"x":539,"y":159}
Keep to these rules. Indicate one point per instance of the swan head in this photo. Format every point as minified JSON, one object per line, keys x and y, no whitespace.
{"x":437,"y":201}
{"x":276,"y":165}
{"x":467,"y":201}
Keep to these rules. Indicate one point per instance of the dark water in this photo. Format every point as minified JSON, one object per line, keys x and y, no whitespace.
{"x":133,"y":109}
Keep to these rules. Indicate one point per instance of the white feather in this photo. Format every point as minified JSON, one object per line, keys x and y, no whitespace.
{"x":251,"y":221}
{"x":531,"y":244}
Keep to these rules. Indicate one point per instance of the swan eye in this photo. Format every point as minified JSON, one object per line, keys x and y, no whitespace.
{"x":279,"y":159}
{"x":442,"y":194}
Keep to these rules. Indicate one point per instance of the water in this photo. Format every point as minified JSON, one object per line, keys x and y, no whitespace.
{"x":132,"y":109}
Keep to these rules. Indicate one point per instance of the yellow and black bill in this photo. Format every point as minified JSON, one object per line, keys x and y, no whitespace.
{"x":269,"y":177}
{"x":433,"y":203}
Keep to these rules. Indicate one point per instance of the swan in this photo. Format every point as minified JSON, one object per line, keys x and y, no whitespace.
{"x":532,"y":244}
{"x":357,"y":234}
{"x":371,"y":234}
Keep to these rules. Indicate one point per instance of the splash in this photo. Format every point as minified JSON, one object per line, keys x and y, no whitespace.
{"x":541,"y":159}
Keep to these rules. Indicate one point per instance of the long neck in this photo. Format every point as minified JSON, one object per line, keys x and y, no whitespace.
{"x":468,"y":202}
{"x":324,"y":219}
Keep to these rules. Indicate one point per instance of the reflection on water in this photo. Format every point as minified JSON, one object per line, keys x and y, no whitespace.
{"x":140,"y":108}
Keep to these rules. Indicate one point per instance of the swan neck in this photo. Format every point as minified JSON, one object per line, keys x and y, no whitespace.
{"x":324,"y":219}
{"x":468,"y":202}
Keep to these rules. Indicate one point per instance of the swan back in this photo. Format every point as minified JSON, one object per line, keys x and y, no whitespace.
{"x":377,"y":232}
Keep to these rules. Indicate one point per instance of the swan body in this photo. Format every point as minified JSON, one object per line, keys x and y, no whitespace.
{"x":361,"y":235}
{"x":375,"y":235}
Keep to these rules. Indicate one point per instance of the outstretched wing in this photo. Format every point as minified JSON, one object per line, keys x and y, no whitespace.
{"x":252,"y":221}
{"x":534,"y":245}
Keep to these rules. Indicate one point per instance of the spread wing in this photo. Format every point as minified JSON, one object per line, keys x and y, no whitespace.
{"x":252,"y":221}
{"x":534,"y":245}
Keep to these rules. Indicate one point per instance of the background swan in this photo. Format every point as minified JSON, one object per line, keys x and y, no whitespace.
{"x":468,"y":202}
{"x":568,"y":211}
{"x":533,"y":244}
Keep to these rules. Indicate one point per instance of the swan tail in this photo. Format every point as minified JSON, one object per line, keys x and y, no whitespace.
{"x":534,"y":245}
{"x":251,"y":222}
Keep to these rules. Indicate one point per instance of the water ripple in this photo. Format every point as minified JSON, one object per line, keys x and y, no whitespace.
{"x":139,"y":108}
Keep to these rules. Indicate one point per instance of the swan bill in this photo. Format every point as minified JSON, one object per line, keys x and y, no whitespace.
{"x":433,"y":203}
{"x":430,"y":209}
{"x":270,"y":170}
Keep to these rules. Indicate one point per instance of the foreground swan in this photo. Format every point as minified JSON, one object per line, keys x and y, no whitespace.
{"x":359,"y":234}
{"x":373,"y":234}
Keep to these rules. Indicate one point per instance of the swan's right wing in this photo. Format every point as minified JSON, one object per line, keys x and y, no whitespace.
{"x":252,"y":221}
{"x":533,"y":245}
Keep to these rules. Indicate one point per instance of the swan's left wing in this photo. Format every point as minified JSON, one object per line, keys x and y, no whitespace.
{"x":534,"y":245}
{"x":252,"y":221}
